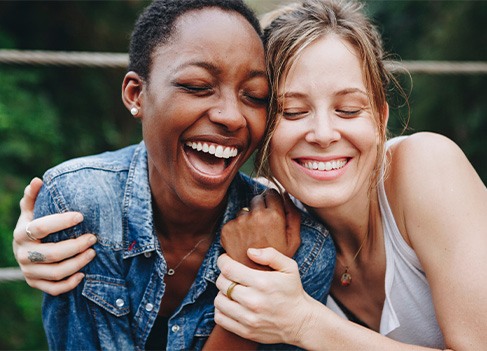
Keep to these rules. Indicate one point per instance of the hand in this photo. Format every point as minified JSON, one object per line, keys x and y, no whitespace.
{"x":267,"y":307}
{"x":50,"y":267}
{"x":272,"y":221}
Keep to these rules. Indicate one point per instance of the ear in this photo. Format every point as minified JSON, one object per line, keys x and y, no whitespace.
{"x":132,"y":92}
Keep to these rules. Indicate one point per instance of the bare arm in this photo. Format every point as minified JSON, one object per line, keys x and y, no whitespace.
{"x":50,"y":267}
{"x":444,"y":204}
{"x":439,"y":203}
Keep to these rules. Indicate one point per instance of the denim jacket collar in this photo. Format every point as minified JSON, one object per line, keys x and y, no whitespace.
{"x":138,"y":228}
{"x":138,"y":235}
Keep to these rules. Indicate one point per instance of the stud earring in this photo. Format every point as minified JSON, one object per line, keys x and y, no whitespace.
{"x":134,"y":111}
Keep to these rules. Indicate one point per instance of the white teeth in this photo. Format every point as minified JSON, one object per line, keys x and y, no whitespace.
{"x":219,"y":151}
{"x":324,"y":166}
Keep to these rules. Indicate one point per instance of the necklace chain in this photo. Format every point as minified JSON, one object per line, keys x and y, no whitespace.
{"x":346,"y":277}
{"x":171,"y":271}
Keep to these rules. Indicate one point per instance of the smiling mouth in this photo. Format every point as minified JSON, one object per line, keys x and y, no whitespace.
{"x":210,"y":158}
{"x":324,"y":166}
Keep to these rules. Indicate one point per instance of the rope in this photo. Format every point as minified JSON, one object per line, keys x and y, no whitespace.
{"x":115,"y":60}
{"x":11,"y":274}
{"x":60,"y":58}
{"x":439,"y":67}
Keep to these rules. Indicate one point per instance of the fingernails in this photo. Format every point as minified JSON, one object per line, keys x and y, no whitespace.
{"x":78,"y":217}
{"x":92,"y":239}
{"x":91,"y":254}
{"x":255,"y":252}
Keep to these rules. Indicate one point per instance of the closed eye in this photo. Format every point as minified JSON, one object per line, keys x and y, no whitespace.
{"x":293,"y":114}
{"x":348,"y":113}
{"x":257,"y":100}
{"x":196,"y":89}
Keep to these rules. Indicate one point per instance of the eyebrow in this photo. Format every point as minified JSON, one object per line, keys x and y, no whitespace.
{"x":342,"y":92}
{"x":205,"y":65}
{"x":350,"y":91}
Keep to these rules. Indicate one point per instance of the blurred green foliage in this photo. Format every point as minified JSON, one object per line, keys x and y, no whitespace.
{"x":50,"y":114}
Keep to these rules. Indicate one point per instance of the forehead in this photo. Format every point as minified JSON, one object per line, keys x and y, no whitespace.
{"x":217,"y":27}
{"x":329,"y":60}
{"x":224,"y":38}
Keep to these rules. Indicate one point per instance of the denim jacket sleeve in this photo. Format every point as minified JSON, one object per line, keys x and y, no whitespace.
{"x":71,"y":321}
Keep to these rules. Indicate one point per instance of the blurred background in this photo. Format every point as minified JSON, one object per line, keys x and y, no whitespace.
{"x":50,"y":113}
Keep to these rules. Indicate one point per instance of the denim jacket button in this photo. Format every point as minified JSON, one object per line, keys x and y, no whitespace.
{"x":147,"y":254}
{"x":119,"y":302}
{"x":149,"y":307}
{"x":175,"y":328}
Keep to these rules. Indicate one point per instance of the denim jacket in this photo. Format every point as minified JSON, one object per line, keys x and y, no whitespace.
{"x":114,"y":308}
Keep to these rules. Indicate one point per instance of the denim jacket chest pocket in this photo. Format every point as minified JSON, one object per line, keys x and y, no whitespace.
{"x":108,"y":294}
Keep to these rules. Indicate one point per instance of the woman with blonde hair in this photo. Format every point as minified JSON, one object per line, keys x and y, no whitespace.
{"x":407,"y":215}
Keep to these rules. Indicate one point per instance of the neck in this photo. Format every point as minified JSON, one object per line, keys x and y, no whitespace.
{"x":186,"y":224}
{"x":350,"y":223}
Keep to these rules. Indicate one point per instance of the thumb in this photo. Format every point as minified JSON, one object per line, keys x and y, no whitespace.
{"x":272,"y":258}
{"x":30,"y":194}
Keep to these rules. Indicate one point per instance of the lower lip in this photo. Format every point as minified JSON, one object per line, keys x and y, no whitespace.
{"x":323,"y":175}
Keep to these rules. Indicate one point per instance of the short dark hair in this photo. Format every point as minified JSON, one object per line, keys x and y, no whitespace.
{"x":155,"y":26}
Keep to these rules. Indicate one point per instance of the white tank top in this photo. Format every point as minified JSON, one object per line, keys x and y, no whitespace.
{"x":408,"y":314}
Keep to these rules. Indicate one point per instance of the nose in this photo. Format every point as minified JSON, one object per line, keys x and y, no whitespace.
{"x":228,"y":113}
{"x":322,"y":130}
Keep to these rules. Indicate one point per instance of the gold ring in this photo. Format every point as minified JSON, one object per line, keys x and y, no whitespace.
{"x":246,"y":209}
{"x":29,"y":233}
{"x":230,"y":290}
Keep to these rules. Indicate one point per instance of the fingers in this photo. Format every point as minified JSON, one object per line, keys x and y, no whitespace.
{"x":59,"y":287}
{"x":41,"y":227}
{"x":274,"y":200}
{"x":27,"y":203}
{"x":234,"y":271}
{"x":30,"y":194}
{"x":55,"y":252}
{"x":257,"y":202}
{"x":229,"y":288}
{"x":293,"y":223}
{"x":272,"y":258}
{"x":60,"y":270}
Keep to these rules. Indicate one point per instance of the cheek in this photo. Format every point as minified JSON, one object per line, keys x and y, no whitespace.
{"x":256,"y":124}
{"x":280,"y":146}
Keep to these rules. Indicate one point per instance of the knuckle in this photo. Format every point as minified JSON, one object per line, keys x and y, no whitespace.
{"x":22,"y":256}
{"x":53,"y":290}
{"x":254,"y":304}
{"x":54,"y":275}
{"x":252,"y":321}
{"x":225,"y":270}
{"x":31,"y":282}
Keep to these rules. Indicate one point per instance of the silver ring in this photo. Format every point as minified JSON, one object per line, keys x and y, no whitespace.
{"x":29,"y":233}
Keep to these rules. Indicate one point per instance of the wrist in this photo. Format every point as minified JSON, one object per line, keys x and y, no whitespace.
{"x":307,"y":336}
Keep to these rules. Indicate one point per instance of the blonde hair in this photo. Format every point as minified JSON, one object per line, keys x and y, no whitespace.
{"x":292,"y":28}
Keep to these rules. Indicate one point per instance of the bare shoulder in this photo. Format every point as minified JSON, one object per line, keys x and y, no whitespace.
{"x":427,"y":159}
{"x":428,"y":174}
